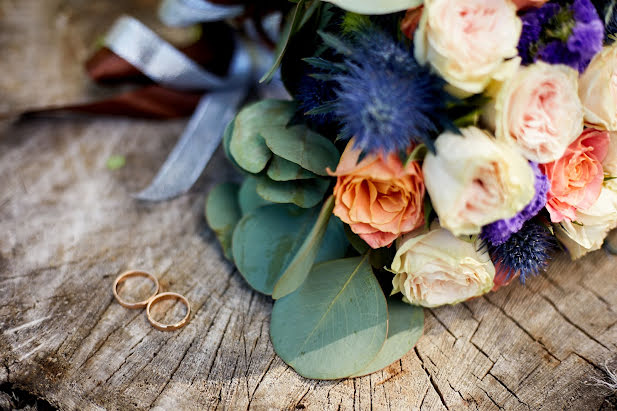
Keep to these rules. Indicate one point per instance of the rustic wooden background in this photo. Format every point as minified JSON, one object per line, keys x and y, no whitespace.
{"x":68,"y":226}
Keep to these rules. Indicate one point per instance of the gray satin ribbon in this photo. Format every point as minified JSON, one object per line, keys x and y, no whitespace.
{"x":157,"y":59}
{"x":181,"y":13}
{"x":166,"y":65}
{"x":202,"y":135}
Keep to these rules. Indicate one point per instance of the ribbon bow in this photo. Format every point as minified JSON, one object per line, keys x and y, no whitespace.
{"x":167,"y":66}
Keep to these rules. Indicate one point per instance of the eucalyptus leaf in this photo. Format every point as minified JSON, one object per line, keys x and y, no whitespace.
{"x":227,"y":141}
{"x":356,"y":242}
{"x":223,"y":213}
{"x":246,"y":145}
{"x":267,"y":239}
{"x":335,"y":324}
{"x":284,"y":170}
{"x":300,"y":16}
{"x":303,"y":193}
{"x":300,"y":266}
{"x":247,"y":196}
{"x":302,"y":146}
{"x":405,"y":327}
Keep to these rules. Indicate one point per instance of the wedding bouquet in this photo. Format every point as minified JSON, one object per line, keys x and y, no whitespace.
{"x":432,"y":152}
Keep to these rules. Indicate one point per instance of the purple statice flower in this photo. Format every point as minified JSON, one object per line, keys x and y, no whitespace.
{"x":500,"y":231}
{"x":533,"y":22}
{"x":570,"y":34}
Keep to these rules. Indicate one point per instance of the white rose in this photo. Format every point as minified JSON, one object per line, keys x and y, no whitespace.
{"x":474,"y":180}
{"x":375,"y":6}
{"x":467,"y":41}
{"x":588,"y":231}
{"x":436,"y":268}
{"x":598,"y":90}
{"x":538,"y":110}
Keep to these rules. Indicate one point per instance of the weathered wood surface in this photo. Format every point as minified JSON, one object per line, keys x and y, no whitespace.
{"x":68,"y":226}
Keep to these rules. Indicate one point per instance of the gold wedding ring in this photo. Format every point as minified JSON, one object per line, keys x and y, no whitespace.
{"x":168,"y":296}
{"x":135,"y":273}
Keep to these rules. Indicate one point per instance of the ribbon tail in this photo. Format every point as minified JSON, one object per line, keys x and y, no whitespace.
{"x":187,"y":12}
{"x":196,"y":146}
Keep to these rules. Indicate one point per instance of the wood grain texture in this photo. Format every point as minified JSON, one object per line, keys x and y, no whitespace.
{"x":68,"y":226}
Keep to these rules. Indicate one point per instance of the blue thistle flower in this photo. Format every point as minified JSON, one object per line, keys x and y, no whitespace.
{"x":386,"y":100}
{"x":525,"y":253}
{"x":313,"y":94}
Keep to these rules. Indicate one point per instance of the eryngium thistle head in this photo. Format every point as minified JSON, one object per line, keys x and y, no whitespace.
{"x":313,"y":94}
{"x":386,"y":100}
{"x":525,"y":253}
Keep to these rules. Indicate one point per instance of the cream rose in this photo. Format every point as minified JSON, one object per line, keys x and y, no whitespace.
{"x":375,"y":7}
{"x":474,"y":180}
{"x":588,"y":231}
{"x":598,"y":90}
{"x":467,"y":41}
{"x":610,"y":163}
{"x":436,"y":268}
{"x":538,"y":110}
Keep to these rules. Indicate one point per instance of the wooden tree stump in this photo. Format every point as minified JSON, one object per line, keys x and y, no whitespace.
{"x":68,"y":226}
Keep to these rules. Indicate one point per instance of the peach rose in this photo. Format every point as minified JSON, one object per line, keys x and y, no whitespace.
{"x":538,"y":110}
{"x":524,"y":4}
{"x":378,"y":197}
{"x":467,"y":41}
{"x":576,"y":178}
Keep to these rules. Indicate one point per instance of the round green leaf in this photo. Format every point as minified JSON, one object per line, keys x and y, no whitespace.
{"x":334,"y":324}
{"x":247,"y":146}
{"x":297,"y":270}
{"x":265,"y":241}
{"x":283,"y":170}
{"x":405,"y":327}
{"x":248,"y":197}
{"x":268,"y":238}
{"x":227,"y":141}
{"x":303,"y":193}
{"x":223,"y":213}
{"x":302,"y":146}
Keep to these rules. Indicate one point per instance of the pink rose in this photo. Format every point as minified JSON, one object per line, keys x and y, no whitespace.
{"x":523,"y":4}
{"x":576,"y":178}
{"x":467,"y":41}
{"x":538,"y":110}
{"x":378,"y":197}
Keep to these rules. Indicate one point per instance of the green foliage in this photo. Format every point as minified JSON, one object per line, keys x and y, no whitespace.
{"x":248,"y":198}
{"x":335,"y":324}
{"x":303,"y":193}
{"x":405,"y":327}
{"x":116,"y":162}
{"x":267,"y":239}
{"x":223,"y":213}
{"x":301,"y":14}
{"x":289,"y":161}
{"x":247,"y":146}
{"x":297,"y":270}
{"x":356,"y":242}
{"x":284,"y":170}
{"x":353,"y":22}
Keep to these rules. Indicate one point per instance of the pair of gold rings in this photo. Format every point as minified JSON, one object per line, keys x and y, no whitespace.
{"x":152,"y":300}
